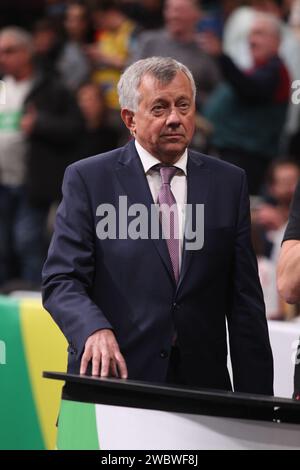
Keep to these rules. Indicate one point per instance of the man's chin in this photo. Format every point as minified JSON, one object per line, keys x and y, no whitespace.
{"x":177,"y":147}
{"x":172,"y":151}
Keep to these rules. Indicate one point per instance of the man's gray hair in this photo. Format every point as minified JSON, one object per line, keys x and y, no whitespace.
{"x":273,"y":22}
{"x":163,"y":69}
{"x":22,"y":37}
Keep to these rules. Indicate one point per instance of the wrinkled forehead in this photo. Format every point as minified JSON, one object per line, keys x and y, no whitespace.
{"x":150,"y":82}
{"x":152,"y":89}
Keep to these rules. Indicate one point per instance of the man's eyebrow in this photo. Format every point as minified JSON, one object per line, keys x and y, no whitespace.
{"x":165,"y":100}
{"x":159,"y":100}
{"x":183,"y":97}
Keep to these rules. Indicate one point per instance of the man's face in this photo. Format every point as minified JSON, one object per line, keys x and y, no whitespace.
{"x":165,"y":120}
{"x":44,"y":41}
{"x":285,"y":180}
{"x":180,"y":15}
{"x":76,"y":22}
{"x":91,"y":102}
{"x":13,"y":56}
{"x":263,"y":40}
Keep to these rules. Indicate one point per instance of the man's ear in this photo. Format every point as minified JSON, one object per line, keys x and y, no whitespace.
{"x":128,"y":118}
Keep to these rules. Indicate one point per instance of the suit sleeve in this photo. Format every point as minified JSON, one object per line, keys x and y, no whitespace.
{"x":250,"y":349}
{"x":69,"y":270}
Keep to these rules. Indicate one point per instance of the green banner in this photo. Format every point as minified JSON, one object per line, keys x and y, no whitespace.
{"x":10,"y":120}
{"x":19,"y":426}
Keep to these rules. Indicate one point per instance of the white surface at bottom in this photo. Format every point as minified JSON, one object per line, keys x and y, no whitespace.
{"x":121,"y":428}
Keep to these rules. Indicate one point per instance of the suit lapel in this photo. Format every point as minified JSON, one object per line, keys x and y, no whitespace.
{"x":132,"y":178}
{"x":198,"y":185}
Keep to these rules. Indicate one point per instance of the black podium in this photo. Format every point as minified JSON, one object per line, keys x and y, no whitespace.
{"x":115,"y":414}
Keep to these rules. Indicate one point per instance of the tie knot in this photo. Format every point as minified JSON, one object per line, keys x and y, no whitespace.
{"x":167,"y":173}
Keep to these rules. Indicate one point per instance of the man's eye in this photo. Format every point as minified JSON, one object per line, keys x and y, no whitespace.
{"x":184,"y":105}
{"x":157,"y":109}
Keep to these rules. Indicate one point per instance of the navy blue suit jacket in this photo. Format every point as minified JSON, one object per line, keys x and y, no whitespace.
{"x":127,"y":285}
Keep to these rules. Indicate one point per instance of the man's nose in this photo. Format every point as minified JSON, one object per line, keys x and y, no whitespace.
{"x":173,"y":118}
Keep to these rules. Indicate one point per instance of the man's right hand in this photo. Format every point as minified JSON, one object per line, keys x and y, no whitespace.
{"x":103,"y":350}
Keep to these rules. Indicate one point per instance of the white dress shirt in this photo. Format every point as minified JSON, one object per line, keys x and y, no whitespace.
{"x":178,"y":185}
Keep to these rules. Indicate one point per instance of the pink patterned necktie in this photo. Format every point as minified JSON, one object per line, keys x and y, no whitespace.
{"x":169,"y":218}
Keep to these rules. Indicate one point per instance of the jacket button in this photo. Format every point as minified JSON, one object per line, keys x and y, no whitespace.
{"x":176,"y":306}
{"x":71,"y":349}
{"x":163,"y":354}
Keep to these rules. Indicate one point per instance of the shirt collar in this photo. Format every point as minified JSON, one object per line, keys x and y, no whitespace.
{"x":148,"y":161}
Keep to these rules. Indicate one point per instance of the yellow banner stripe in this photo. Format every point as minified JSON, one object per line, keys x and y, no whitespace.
{"x":45,"y":349}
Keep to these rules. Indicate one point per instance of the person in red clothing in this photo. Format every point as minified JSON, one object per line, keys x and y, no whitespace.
{"x":248,"y":111}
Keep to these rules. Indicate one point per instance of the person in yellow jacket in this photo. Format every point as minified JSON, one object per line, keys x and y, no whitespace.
{"x":112,"y":49}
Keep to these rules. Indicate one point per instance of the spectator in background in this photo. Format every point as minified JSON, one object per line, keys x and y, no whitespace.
{"x":236,"y":45}
{"x":281,"y":180}
{"x":112,"y":49}
{"x":147,"y":13}
{"x":238,"y":27}
{"x":248,"y":111}
{"x":64,"y":54}
{"x":40,"y":126}
{"x":289,"y":49}
{"x":98,"y":136}
{"x":293,"y":125}
{"x":272,"y":218}
{"x":73,"y":64}
{"x":48,"y":46}
{"x":288,"y":274}
{"x":216,"y":14}
{"x":55,"y":10}
{"x":178,"y":40}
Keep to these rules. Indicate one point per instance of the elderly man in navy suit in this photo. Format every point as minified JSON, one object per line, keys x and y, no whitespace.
{"x":148,"y":297}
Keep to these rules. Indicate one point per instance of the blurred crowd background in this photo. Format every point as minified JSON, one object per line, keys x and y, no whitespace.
{"x":60,"y":62}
